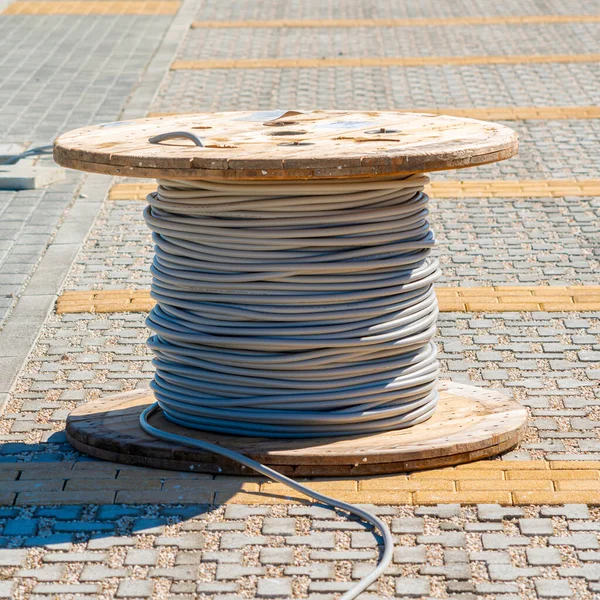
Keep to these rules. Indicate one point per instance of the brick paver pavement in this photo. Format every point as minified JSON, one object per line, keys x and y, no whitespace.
{"x":77,"y":528}
{"x":59,"y":72}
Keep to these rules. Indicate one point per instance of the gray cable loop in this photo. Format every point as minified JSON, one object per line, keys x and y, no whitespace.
{"x":293,"y":310}
{"x":161,"y":137}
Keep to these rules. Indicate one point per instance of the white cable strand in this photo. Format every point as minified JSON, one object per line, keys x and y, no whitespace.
{"x":293,"y":310}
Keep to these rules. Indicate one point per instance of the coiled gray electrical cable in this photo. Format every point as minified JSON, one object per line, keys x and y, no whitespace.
{"x":293,"y":310}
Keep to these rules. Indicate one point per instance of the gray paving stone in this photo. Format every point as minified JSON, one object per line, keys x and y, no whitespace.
{"x":570,"y":511}
{"x":350,"y":555}
{"x":274,"y":587}
{"x":324,"y":540}
{"x":100,"y":572}
{"x":506,"y":572}
{"x":456,"y":556}
{"x":543,"y":556}
{"x":104,"y":543}
{"x":500,"y":541}
{"x":12,"y":557}
{"x":460,"y":587}
{"x":217,"y":587}
{"x":46,"y":573}
{"x":589,"y":572}
{"x":141,"y":557}
{"x":497,"y":588}
{"x":453,"y":571}
{"x":553,"y":588}
{"x":64,"y":513}
{"x":274,"y":526}
{"x":316,"y":512}
{"x":442,"y":511}
{"x":313,"y":570}
{"x":233,"y":541}
{"x":536,"y":526}
{"x":183,"y":541}
{"x":448,"y":540}
{"x":7,"y":589}
{"x":75,"y":557}
{"x":364,"y":539}
{"x":222,"y":557}
{"x":412,"y":587}
{"x":26,"y":527}
{"x":495,"y":512}
{"x":240,"y":511}
{"x":277,"y":556}
{"x":581,"y":541}
{"x":234,"y":571}
{"x":135,"y":588}
{"x":415,"y":554}
{"x":56,"y":541}
{"x":85,"y":526}
{"x":178,"y":573}
{"x":154,"y":526}
{"x":407,"y":525}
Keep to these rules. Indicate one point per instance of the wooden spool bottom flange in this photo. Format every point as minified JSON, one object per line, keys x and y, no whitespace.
{"x":469,"y":424}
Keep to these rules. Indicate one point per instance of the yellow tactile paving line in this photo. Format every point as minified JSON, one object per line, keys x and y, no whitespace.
{"x":531,"y":482}
{"x":451,"y":21}
{"x":103,"y":7}
{"x":482,"y":188}
{"x":451,"y":299}
{"x":524,"y":188}
{"x":502,"y":113}
{"x":504,"y":482}
{"x":383,"y":61}
{"x":516,"y":113}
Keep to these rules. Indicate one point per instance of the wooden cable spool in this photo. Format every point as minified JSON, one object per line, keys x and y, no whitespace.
{"x":469,"y":423}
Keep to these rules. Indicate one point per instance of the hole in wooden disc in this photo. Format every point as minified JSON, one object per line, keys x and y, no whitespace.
{"x":382,"y":130}
{"x":287,"y":132}
{"x":295,"y":143}
{"x":279,"y":123}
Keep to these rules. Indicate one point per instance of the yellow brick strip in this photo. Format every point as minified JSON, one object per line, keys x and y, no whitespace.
{"x":532,"y":188}
{"x":501,"y":113}
{"x":531,"y":482}
{"x":524,"y":188}
{"x":383,"y":61}
{"x":519,"y":298}
{"x":451,"y":21}
{"x":131,"y":191}
{"x":104,"y":301}
{"x":504,"y":482}
{"x":103,"y":7}
{"x":516,"y":113}
{"x":451,"y":299}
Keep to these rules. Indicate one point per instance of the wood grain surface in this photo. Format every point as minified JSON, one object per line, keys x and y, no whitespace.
{"x":273,"y":145}
{"x":470,"y":424}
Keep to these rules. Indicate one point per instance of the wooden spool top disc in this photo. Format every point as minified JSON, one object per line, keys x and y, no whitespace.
{"x":286,"y":145}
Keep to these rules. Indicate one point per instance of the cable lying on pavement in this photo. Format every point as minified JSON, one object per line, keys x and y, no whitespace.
{"x":293,"y":310}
